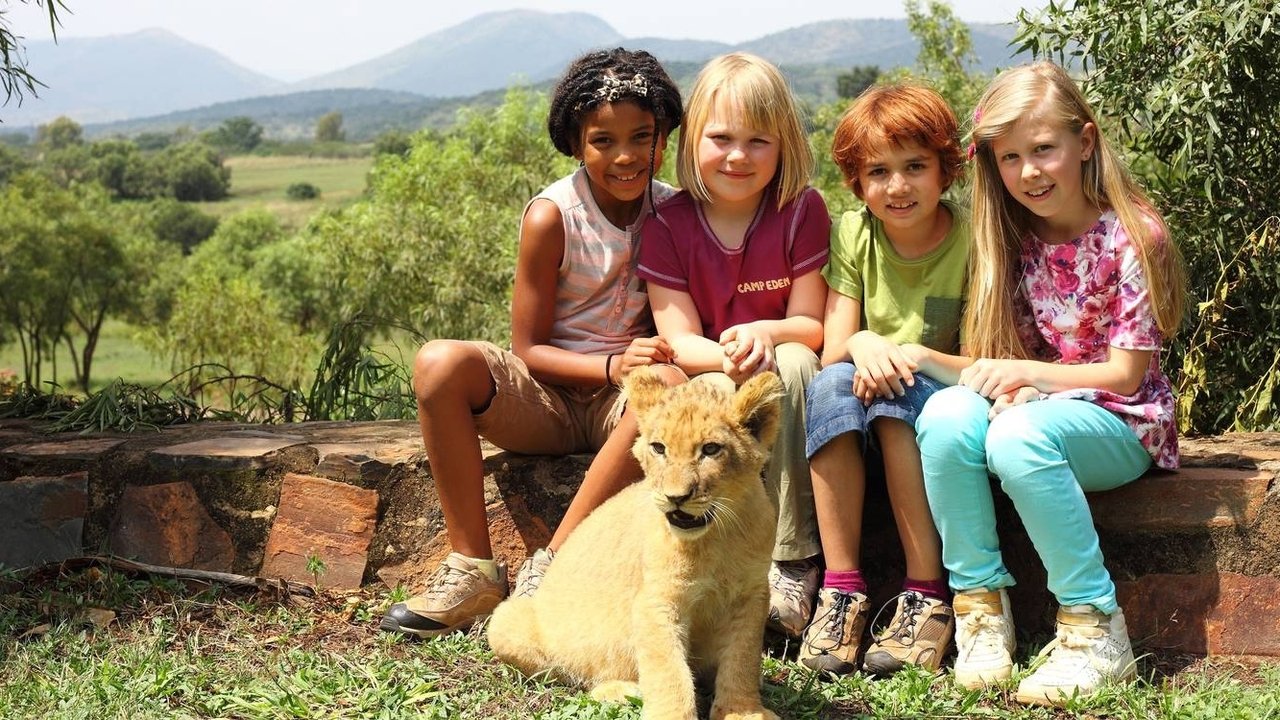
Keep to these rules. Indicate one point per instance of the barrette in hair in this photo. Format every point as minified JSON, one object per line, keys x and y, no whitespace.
{"x":971,"y":150}
{"x":977,"y":115}
{"x":612,"y":88}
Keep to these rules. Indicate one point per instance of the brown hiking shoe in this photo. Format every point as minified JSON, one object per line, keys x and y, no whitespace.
{"x":919,"y":634}
{"x":457,"y":595}
{"x":792,"y":585}
{"x":832,"y":640}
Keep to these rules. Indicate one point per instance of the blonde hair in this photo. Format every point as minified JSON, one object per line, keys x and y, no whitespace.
{"x":1044,"y":91}
{"x":755,"y":88}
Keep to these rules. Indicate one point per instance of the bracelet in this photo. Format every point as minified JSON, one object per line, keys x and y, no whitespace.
{"x":608,"y":376}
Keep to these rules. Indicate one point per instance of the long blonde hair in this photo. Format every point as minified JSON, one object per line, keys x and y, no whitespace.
{"x":1044,"y":91}
{"x":755,"y":88}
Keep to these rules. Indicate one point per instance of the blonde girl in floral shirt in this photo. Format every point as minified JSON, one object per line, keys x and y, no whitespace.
{"x":1075,"y":287}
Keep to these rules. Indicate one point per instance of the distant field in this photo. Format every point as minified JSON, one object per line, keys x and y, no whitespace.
{"x":119,"y":355}
{"x":261,"y":182}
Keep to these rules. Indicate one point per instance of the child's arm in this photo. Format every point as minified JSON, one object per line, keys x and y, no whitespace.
{"x":842,"y":319}
{"x":533,"y":312}
{"x":680,"y":323}
{"x":749,"y":346}
{"x":940,"y":366}
{"x":1121,"y":373}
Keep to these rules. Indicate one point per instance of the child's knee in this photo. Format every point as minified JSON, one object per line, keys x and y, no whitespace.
{"x":441,"y":364}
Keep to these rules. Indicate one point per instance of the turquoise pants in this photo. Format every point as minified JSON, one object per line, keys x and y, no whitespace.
{"x":1046,"y":454}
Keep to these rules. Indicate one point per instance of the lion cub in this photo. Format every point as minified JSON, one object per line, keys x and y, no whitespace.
{"x":668,"y":579}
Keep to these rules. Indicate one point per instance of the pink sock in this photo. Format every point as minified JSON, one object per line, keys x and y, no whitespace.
{"x":847,"y":581}
{"x":936,"y":589}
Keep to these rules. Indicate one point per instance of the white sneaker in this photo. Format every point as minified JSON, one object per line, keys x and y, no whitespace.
{"x":1091,"y":649}
{"x":529,"y":577}
{"x":984,"y":638}
{"x":793,"y":588}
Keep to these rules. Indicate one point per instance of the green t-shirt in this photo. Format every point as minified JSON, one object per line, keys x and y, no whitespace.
{"x":907,"y":301}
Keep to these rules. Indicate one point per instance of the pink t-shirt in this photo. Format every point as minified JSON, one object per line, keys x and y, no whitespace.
{"x":734,"y":286}
{"x":1086,"y":295}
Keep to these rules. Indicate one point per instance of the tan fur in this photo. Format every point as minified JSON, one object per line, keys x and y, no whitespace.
{"x":632,"y":602}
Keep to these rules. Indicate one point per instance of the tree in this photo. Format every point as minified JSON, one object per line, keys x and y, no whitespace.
{"x":1192,"y":91}
{"x":946,"y":52}
{"x":393,"y":142}
{"x":179,"y":223}
{"x":14,"y":76}
{"x":194,"y":172}
{"x":860,"y":77}
{"x":237,"y":134}
{"x":59,"y":133}
{"x":329,"y":128}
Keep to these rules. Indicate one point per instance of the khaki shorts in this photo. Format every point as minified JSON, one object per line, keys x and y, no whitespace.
{"x":530,"y":417}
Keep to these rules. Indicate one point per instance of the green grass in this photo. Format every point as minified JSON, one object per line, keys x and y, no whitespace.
{"x":261,"y":182}
{"x":184,"y":651}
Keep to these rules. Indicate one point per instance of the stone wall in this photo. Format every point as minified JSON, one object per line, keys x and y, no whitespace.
{"x":1196,"y":553}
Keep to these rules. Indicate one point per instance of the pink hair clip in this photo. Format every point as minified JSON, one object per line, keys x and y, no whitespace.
{"x":972,"y":150}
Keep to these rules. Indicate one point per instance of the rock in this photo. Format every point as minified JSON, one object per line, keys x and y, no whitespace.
{"x":321,"y":519}
{"x":43,"y":519}
{"x":168,"y":525}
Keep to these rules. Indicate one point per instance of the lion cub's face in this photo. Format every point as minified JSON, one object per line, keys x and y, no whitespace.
{"x":702,"y":447}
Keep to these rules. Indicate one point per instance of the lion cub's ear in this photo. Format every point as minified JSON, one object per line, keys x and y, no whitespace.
{"x":757,"y":406}
{"x":644,"y":389}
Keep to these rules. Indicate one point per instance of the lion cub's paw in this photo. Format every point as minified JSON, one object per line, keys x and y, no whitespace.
{"x":615,"y":691}
{"x":719,"y":713}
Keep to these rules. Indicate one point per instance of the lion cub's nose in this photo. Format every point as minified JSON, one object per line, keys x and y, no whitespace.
{"x":678,"y":500}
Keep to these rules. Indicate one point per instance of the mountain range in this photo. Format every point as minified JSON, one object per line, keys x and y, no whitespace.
{"x":154,"y":79}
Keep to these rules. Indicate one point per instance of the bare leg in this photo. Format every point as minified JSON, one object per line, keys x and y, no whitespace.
{"x":452,"y":382}
{"x":905,"y":481}
{"x":613,"y":468}
{"x":839,"y":486}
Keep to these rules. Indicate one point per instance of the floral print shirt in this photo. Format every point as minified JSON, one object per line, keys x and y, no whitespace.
{"x":1085,"y":295}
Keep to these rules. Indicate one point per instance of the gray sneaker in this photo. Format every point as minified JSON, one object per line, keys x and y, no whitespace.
{"x":793,"y":585}
{"x":457,"y":595}
{"x":529,"y":576}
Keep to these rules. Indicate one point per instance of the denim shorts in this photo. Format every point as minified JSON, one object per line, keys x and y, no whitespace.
{"x":832,"y":409}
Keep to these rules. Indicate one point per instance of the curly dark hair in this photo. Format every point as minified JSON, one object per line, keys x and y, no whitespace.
{"x":610,"y":76}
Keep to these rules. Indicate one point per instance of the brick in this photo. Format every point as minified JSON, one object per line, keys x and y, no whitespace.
{"x":1208,"y":613}
{"x":242,"y":452}
{"x":168,"y":525}
{"x":1191,"y":498}
{"x":43,"y":519}
{"x":327,"y":519}
{"x":367,"y":461}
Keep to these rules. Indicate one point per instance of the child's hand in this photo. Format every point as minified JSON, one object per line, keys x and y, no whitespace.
{"x":993,"y":378}
{"x":864,"y":389}
{"x":882,"y":363}
{"x":1024,"y":394}
{"x":747,"y":350}
{"x":641,"y":352}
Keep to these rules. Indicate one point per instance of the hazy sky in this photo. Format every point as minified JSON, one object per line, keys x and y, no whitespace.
{"x":293,"y":39}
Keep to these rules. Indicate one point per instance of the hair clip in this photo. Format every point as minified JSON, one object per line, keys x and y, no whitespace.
{"x":977,"y":115}
{"x":971,"y":150}
{"x":613,"y":89}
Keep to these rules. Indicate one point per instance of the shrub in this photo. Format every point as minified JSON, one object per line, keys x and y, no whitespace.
{"x":302,"y":191}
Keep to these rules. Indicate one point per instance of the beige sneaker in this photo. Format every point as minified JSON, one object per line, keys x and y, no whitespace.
{"x":984,"y":638}
{"x":457,"y":595}
{"x":792,"y":586}
{"x":919,"y":634}
{"x":1091,"y":649}
{"x":529,"y":576}
{"x":832,"y":640}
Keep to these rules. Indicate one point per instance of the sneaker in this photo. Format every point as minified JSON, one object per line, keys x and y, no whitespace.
{"x":919,"y":634}
{"x":832,"y":640}
{"x":529,"y":576}
{"x":457,"y":594}
{"x":1091,"y":649}
{"x":792,"y":586}
{"x":984,"y":638}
